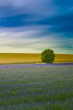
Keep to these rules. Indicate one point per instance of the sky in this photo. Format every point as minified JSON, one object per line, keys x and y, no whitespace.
{"x":31,"y":26}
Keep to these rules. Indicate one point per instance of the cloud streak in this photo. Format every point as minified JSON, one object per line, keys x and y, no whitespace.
{"x":27,"y":43}
{"x":31,"y":26}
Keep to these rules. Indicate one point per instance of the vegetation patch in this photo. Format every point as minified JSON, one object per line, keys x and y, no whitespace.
{"x":39,"y":88}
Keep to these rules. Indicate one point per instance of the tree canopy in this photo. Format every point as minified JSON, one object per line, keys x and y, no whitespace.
{"x":47,"y":56}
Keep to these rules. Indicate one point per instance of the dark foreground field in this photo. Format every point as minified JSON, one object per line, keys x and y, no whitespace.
{"x":46,"y":87}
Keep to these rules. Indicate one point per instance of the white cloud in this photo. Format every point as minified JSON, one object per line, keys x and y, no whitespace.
{"x":26,"y":42}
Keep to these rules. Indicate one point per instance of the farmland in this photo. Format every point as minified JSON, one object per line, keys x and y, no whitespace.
{"x":19,"y":58}
{"x":31,"y":58}
{"x":36,"y":87}
{"x":64,"y":58}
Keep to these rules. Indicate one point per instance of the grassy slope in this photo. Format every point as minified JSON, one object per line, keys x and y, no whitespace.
{"x":24,"y":57}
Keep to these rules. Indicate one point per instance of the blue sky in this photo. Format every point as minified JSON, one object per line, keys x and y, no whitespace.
{"x":30,"y":26}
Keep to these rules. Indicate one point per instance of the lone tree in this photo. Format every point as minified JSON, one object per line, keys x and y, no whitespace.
{"x":47,"y":56}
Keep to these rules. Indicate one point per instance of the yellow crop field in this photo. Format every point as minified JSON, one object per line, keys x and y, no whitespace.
{"x":19,"y":57}
{"x":64,"y":58}
{"x":28,"y":57}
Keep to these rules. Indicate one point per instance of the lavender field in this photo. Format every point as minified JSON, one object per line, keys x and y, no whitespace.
{"x":36,"y":87}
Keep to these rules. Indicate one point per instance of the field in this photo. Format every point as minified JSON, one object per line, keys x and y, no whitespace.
{"x":19,"y":58}
{"x":36,"y":87}
{"x":64,"y":58}
{"x":30,"y":58}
